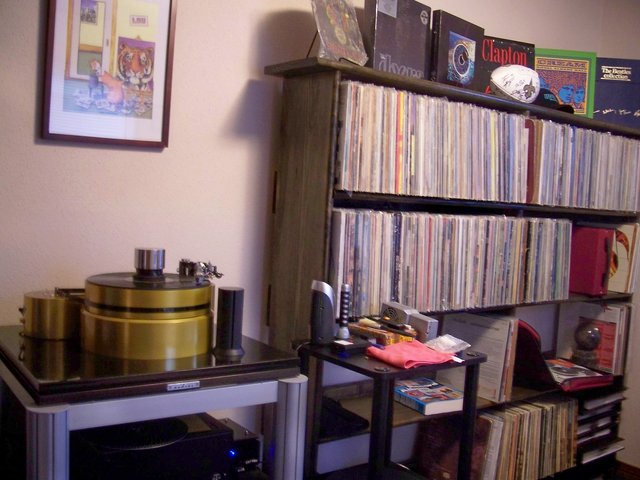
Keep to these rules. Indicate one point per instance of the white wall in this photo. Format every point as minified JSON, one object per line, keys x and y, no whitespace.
{"x":73,"y":210}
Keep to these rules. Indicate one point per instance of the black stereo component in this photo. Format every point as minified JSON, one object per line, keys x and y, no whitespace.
{"x":244,"y":457}
{"x":322,"y":313}
{"x":194,"y":447}
{"x":229,"y":324}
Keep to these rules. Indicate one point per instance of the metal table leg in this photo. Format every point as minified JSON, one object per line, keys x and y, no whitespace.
{"x":290,"y":428}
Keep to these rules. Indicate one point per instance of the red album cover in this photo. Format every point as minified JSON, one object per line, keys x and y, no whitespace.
{"x":591,"y":253}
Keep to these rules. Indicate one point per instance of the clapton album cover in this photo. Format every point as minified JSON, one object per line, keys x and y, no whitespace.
{"x":496,"y":52}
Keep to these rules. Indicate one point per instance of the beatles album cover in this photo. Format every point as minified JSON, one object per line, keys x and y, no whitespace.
{"x":617,"y":91}
{"x":456,"y":50}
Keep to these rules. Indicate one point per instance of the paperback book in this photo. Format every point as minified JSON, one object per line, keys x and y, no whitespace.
{"x":397,"y":36}
{"x":456,"y":50}
{"x":617,"y":91}
{"x":427,"y":396}
{"x":496,"y":52}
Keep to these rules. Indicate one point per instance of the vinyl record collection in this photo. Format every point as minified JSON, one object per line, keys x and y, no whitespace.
{"x":524,"y":441}
{"x":397,"y":142}
{"x":438,"y":262}
{"x":575,"y":167}
{"x":541,"y":432}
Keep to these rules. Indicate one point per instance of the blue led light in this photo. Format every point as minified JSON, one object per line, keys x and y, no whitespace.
{"x":232,"y":453}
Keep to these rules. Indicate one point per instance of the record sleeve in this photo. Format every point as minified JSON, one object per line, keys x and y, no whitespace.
{"x":397,"y":36}
{"x":456,"y":50}
{"x":570,"y":75}
{"x":617,"y":91}
{"x":340,"y":35}
{"x":496,"y":52}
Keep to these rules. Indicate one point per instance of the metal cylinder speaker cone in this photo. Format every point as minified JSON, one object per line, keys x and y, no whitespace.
{"x":147,"y":315}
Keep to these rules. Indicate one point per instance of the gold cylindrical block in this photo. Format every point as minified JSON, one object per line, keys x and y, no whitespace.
{"x":50,"y":316}
{"x":145,"y":339}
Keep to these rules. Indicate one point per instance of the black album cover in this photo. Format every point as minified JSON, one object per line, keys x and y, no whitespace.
{"x":397,"y":36}
{"x":496,"y":52}
{"x":340,"y":35}
{"x":617,"y":91}
{"x":456,"y":50}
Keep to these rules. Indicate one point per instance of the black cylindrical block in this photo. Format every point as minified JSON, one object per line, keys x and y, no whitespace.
{"x":229,"y":324}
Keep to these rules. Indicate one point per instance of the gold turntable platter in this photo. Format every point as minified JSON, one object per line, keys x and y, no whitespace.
{"x":147,"y":314}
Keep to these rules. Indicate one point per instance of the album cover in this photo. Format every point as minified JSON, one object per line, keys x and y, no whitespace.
{"x":340,"y":37}
{"x":496,"y":52}
{"x":397,"y":36}
{"x":456,"y":50}
{"x":590,"y":261}
{"x":570,"y":75}
{"x":617,"y":91}
{"x":623,"y":272}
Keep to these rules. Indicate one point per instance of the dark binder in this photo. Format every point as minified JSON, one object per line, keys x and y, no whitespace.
{"x":397,"y":36}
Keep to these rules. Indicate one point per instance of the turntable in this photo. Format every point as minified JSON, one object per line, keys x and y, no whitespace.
{"x":144,"y":315}
{"x":148,"y":314}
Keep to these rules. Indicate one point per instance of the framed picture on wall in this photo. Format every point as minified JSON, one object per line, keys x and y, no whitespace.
{"x":108,"y":71}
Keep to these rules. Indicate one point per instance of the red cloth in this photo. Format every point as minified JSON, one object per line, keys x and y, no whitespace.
{"x":409,"y":354}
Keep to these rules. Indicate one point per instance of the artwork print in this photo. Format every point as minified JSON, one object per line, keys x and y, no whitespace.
{"x":127,"y":92}
{"x":462,"y":54}
{"x":108,"y":71}
{"x":570,"y":76}
{"x":339,"y":32}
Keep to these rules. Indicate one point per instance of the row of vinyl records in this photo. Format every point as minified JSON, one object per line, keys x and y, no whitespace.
{"x":525,"y":440}
{"x":397,"y":142}
{"x":438,"y":262}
